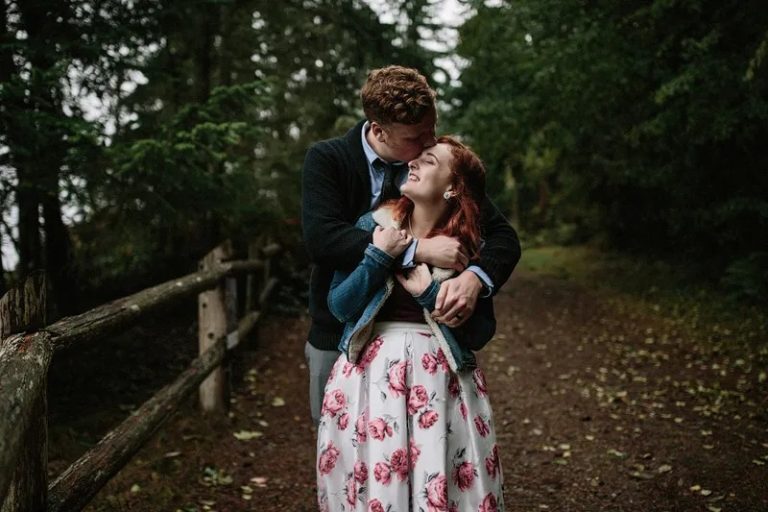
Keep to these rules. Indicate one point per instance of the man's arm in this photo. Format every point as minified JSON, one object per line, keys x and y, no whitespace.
{"x":330,"y":238}
{"x":458,"y":296}
{"x":501,"y":250}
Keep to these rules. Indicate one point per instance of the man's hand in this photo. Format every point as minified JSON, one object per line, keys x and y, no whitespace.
{"x":457,"y":299}
{"x":417,"y":280}
{"x":442,"y":251}
{"x":390,"y":240}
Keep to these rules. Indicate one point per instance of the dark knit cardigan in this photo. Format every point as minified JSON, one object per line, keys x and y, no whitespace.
{"x":336,"y":191}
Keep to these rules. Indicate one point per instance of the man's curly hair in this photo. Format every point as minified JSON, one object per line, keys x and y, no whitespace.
{"x":396,"y":94}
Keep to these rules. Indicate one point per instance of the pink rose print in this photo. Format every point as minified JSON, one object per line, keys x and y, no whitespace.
{"x":347,"y":369}
{"x":417,"y":398}
{"x":361,"y":427}
{"x":479,"y":378}
{"x":453,"y":508}
{"x":464,"y":475}
{"x":333,"y":402}
{"x":351,"y":491}
{"x":343,"y":421}
{"x":361,"y":472}
{"x":429,"y":363}
{"x":489,"y":504}
{"x":453,"y":386}
{"x":482,"y":427}
{"x":442,"y":360}
{"x":463,"y":410}
{"x":437,"y":494}
{"x":370,"y":353}
{"x":414,"y":453}
{"x":375,"y":506}
{"x":427,"y":419}
{"x":492,"y":462}
{"x":398,"y":462}
{"x":397,"y":378}
{"x":328,"y":459}
{"x":381,"y":472}
{"x":379,"y":429}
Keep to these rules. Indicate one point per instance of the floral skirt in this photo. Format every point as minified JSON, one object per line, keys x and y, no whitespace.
{"x":401,"y":432}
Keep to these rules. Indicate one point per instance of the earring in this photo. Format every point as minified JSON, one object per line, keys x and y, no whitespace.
{"x":447,"y":195}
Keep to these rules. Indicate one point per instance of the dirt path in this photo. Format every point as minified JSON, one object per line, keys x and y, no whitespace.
{"x":599,"y":407}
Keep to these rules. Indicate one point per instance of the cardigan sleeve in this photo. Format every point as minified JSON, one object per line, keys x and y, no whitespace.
{"x":477,"y":331}
{"x":501,"y":250}
{"x":331,"y":240}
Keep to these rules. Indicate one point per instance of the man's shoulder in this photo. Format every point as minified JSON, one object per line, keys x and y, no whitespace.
{"x":342,"y":145}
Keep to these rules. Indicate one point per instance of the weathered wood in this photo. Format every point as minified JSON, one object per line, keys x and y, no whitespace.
{"x":23,"y":309}
{"x":120,"y":313}
{"x":212,"y":325}
{"x":270,"y":250}
{"x":254,"y":249}
{"x":79,"y":483}
{"x":266,"y":292}
{"x":247,"y":323}
{"x":24,"y":360}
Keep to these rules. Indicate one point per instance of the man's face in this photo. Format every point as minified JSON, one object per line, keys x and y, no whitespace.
{"x":405,"y":142}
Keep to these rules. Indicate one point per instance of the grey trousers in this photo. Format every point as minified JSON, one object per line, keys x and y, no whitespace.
{"x":320,"y":363}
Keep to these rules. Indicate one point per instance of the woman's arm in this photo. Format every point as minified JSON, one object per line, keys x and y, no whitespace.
{"x":351,"y":291}
{"x":475,"y":332}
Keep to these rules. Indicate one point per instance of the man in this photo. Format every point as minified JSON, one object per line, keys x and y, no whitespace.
{"x":347,"y":176}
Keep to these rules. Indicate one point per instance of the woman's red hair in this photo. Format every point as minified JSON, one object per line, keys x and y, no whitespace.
{"x":462,"y":218}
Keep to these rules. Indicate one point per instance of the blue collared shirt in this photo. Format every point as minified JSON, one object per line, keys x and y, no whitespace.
{"x":377,"y":180}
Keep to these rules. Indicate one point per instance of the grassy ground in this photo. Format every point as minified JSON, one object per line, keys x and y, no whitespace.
{"x":669,"y":290}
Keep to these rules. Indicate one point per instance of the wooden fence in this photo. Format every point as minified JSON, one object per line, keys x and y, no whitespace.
{"x":27,"y":344}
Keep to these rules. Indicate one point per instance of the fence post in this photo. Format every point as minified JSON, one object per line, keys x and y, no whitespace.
{"x":24,"y":361}
{"x":213,"y":325}
{"x":254,"y":252}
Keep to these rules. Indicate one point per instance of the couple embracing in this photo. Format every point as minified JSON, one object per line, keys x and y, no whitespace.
{"x":408,"y":251}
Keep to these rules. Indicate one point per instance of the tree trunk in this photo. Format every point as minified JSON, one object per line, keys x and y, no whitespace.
{"x":46,"y":148}
{"x":59,"y":259}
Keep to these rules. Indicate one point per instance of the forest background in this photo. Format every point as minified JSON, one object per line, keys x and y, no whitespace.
{"x":135,"y":135}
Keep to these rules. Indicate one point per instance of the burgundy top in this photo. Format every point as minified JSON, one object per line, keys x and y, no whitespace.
{"x":401,"y":307}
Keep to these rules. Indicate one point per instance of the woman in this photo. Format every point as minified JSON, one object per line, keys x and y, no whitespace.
{"x":406,"y":422}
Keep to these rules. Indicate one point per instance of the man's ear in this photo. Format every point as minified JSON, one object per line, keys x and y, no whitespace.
{"x":378,"y":131}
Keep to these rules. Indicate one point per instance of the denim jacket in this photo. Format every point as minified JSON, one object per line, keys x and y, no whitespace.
{"x":356,"y":297}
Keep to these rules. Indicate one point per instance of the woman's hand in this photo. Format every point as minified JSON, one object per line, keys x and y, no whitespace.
{"x":390,"y":240}
{"x":417,"y":280}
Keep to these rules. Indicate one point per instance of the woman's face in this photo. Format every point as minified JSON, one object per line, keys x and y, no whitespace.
{"x":429,"y":175}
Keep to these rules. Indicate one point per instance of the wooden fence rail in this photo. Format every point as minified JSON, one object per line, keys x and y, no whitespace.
{"x":26,"y":348}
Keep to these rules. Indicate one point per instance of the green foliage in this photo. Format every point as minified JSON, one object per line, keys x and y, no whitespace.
{"x":641,"y":123}
{"x":747,"y":278}
{"x":205,"y":112}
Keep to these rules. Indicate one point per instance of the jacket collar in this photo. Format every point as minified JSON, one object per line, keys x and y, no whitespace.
{"x":359,"y":160}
